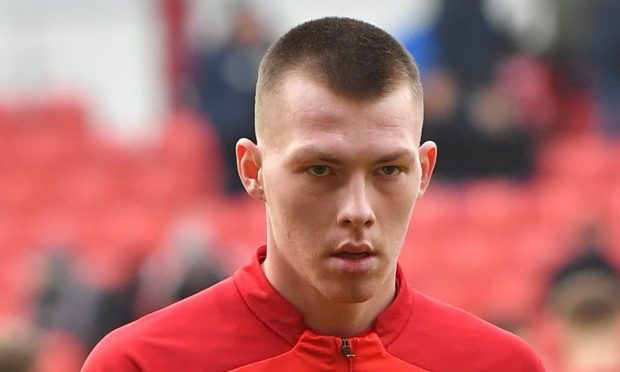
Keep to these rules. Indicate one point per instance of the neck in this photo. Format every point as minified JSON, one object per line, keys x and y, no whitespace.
{"x":325,"y":316}
{"x":344,"y":320}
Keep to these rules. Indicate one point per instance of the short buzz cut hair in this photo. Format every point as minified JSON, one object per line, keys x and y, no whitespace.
{"x":354,"y":59}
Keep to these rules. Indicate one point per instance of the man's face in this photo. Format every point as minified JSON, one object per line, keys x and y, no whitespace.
{"x":340,"y":179}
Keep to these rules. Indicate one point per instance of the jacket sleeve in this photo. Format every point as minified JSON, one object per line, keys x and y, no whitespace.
{"x":111,"y":355}
{"x":524,"y":359}
{"x":537,"y":364}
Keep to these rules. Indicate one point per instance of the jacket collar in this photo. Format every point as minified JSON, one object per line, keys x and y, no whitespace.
{"x":286,"y":321}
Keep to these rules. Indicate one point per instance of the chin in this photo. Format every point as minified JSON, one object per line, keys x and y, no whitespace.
{"x":351,"y":295}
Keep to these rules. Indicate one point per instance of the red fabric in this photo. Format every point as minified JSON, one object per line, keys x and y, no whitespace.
{"x":324,"y":353}
{"x":243,"y":323}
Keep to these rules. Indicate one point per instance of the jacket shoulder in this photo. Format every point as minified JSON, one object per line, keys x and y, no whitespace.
{"x":203,"y":329}
{"x":441,"y":337}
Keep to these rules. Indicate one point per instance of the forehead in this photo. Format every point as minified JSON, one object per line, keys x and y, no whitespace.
{"x":303,"y":109}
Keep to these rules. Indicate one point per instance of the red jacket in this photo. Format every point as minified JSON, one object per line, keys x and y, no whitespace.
{"x":243,"y":324}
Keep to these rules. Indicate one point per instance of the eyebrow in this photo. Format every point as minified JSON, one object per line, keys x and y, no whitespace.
{"x":312,"y":153}
{"x":308,"y":154}
{"x":399,"y":154}
{"x":329,"y":158}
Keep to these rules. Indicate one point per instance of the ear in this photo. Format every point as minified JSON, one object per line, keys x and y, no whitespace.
{"x":428,"y":158}
{"x":249,"y":167}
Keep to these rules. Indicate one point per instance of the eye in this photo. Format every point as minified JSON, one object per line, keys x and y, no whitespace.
{"x":319,"y":170}
{"x":389,"y":170}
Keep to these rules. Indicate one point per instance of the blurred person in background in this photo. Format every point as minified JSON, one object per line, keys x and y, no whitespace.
{"x":339,"y":165}
{"x":469,"y":113}
{"x":606,"y":57}
{"x":467,"y":43}
{"x":585,"y":299}
{"x":224,"y":79}
{"x":480,"y":131}
{"x":585,"y":56}
{"x":70,"y":300}
{"x":19,"y":347}
{"x":578,"y":328}
{"x":187,"y":264}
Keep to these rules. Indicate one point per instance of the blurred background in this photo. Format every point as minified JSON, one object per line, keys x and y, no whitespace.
{"x":119,"y":194}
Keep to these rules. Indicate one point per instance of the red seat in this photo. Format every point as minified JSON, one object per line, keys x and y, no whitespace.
{"x":66,"y":115}
{"x":86,"y":186}
{"x":45,"y":150}
{"x":490,"y":205}
{"x":559,"y":207}
{"x":18,"y":282}
{"x":581,"y":161}
{"x":158,"y":181}
{"x":190,"y":143}
{"x":14,"y":233}
{"x":22,"y":191}
{"x":54,"y":225}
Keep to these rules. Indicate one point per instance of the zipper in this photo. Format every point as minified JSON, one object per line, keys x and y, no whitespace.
{"x":347,"y":352}
{"x":345,"y":349}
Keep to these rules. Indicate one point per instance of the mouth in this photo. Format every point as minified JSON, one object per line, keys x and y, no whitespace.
{"x":352,"y":255}
{"x":356,"y":259}
{"x":354,"y":251}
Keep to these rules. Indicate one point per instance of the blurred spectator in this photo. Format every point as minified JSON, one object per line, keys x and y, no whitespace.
{"x":469,"y":111}
{"x":570,"y":48}
{"x":588,"y":251}
{"x":528,"y":81}
{"x":479,"y":134}
{"x":64,"y":301}
{"x":467,"y":44}
{"x":585,"y":297}
{"x":586,"y":61}
{"x":114,"y":308}
{"x":499,"y":144}
{"x":200,"y":273}
{"x":606,"y":59}
{"x":225,"y":79}
{"x":187,"y":265}
{"x":71,"y":301}
{"x":445,"y":122}
{"x":18,"y":349}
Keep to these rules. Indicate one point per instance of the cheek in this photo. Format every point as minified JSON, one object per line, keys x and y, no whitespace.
{"x":296,"y":214}
{"x":395,"y":215}
{"x":306,"y":211}
{"x":396,"y":221}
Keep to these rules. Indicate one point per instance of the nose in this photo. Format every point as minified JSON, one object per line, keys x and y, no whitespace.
{"x":356,"y":209}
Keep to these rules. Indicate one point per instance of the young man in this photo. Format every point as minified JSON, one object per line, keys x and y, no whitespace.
{"x":339,"y":166}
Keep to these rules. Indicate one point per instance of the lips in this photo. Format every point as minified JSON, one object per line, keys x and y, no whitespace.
{"x":354,"y":251}
{"x":352,"y":255}
{"x":353,"y":259}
